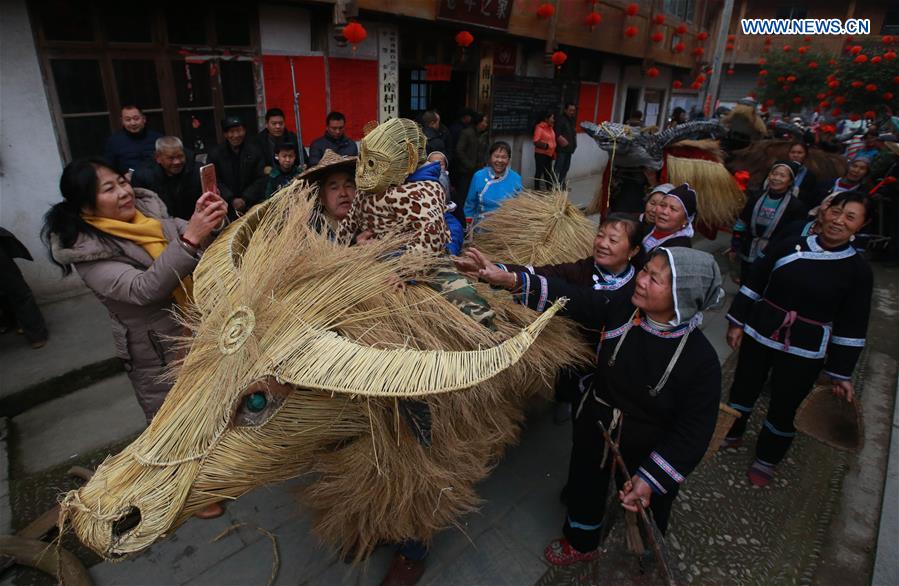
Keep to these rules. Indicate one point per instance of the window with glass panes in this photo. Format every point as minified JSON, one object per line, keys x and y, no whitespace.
{"x":186,"y":65}
{"x":418,"y":90}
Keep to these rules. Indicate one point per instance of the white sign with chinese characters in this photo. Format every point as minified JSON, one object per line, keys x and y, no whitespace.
{"x":388,"y":73}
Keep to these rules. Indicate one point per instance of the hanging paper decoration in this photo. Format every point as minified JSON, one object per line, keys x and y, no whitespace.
{"x":593,"y":19}
{"x":659,"y":19}
{"x":657,"y":37}
{"x":464,"y":39}
{"x":355,"y":33}
{"x":546,"y":10}
{"x":559,"y":58}
{"x":652,"y":72}
{"x":678,"y":48}
{"x":632,"y":9}
{"x":702,"y":36}
{"x":630,"y":32}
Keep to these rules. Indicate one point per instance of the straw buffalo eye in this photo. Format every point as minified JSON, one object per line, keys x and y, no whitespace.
{"x":259,"y":402}
{"x":256,"y":402}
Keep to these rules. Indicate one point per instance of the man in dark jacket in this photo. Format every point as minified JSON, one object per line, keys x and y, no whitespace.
{"x":239,"y":167}
{"x":275,"y":133}
{"x":566,"y":140}
{"x":134,"y":144}
{"x":439,"y":137}
{"x":172,"y":175}
{"x":334,"y":139}
{"x":461,"y":124}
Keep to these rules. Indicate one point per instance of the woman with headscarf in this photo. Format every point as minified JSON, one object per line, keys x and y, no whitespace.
{"x":805,"y":185}
{"x":766,"y":214}
{"x":674,"y":220}
{"x":656,"y":389}
{"x":655,"y":197}
{"x":859,"y":169}
{"x":492,"y":184}
{"x":803,"y":308}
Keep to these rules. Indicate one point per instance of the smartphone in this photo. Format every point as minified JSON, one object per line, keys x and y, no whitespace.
{"x":208,"y":180}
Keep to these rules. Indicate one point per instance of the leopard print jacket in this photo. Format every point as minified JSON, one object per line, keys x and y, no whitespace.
{"x":415,"y":208}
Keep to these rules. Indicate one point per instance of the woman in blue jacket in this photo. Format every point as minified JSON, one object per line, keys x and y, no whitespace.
{"x":492,"y":184}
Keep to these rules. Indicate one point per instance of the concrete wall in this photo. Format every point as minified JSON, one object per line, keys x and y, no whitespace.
{"x":30,"y":163}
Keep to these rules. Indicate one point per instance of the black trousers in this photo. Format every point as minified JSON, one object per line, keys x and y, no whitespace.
{"x":792,"y":377}
{"x":18,"y":304}
{"x":588,"y":478}
{"x":543,"y":179}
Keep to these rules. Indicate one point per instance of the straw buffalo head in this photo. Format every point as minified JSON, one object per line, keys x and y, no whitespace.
{"x":291,"y":337}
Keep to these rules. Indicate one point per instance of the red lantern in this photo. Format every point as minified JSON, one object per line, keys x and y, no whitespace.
{"x":797,"y":100}
{"x":698,"y":51}
{"x":681,"y":29}
{"x":731,"y":38}
{"x":871,"y":114}
{"x":871,"y":87}
{"x":659,"y":19}
{"x":696,"y":85}
{"x":700,"y":78}
{"x":832,"y":62}
{"x":702,"y":36}
{"x":856,"y":84}
{"x":559,"y":58}
{"x":833,"y":84}
{"x":855,"y":117}
{"x":896,"y":80}
{"x":355,"y":33}
{"x":729,"y":47}
{"x":813,"y":65}
{"x":763,"y":61}
{"x":657,"y":37}
{"x":730,"y":71}
{"x":887,"y":96}
{"x":887,"y":39}
{"x":632,"y":9}
{"x":678,"y":48}
{"x":889,"y":55}
{"x":861,"y":59}
{"x":769,"y":102}
{"x":876,"y":59}
{"x":836,"y":112}
{"x":546,"y":10}
{"x":464,"y":39}
{"x":820,"y":95}
{"x":824,"y":105}
{"x":840,"y":100}
{"x":787,"y":48}
{"x":802,"y":50}
{"x":855,"y":49}
{"x":652,"y":72}
{"x":791,"y":78}
{"x":593,"y":19}
{"x":677,"y":84}
{"x":763,"y":72}
{"x":630,"y":32}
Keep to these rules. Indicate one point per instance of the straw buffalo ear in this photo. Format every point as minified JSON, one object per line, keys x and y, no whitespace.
{"x":259,"y":402}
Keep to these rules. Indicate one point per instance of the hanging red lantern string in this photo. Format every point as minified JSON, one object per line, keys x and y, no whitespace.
{"x":464,"y":39}
{"x":593,"y":19}
{"x":887,"y":39}
{"x":631,"y":32}
{"x":889,"y":55}
{"x":632,"y":9}
{"x":860,"y":58}
{"x":729,"y":47}
{"x":559,"y":58}
{"x":887,"y":96}
{"x":681,"y":29}
{"x":855,"y":49}
{"x":871,"y":87}
{"x":546,"y":10}
{"x":679,"y":48}
{"x":698,"y":52}
{"x":659,"y":19}
{"x":731,"y":38}
{"x":876,"y":59}
{"x":652,"y":72}
{"x":802,"y":50}
{"x":702,"y":36}
{"x":355,"y":33}
{"x":657,"y":37}
{"x":787,"y":48}
{"x":677,"y":84}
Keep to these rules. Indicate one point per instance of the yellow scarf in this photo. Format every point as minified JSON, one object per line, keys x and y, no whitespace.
{"x":146,"y":232}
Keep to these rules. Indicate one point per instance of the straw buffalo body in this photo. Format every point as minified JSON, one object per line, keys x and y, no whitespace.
{"x":304,"y":358}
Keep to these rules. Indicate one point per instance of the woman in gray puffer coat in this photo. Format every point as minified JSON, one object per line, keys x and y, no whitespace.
{"x":135,"y":258}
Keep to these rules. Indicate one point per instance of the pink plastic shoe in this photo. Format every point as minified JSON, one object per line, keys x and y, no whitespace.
{"x":560,"y":553}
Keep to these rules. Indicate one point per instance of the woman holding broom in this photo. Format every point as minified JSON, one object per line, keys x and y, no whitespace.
{"x":803,"y":308}
{"x":656,"y":388}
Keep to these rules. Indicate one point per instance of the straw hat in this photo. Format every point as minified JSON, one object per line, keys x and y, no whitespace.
{"x":329,"y":163}
{"x":831,"y":420}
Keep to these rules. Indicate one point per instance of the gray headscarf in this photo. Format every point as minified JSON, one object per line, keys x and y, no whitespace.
{"x":695,"y":283}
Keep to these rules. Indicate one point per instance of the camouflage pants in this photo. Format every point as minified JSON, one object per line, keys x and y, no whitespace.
{"x":458,"y":291}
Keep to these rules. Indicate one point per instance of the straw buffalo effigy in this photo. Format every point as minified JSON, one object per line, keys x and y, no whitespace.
{"x":304,"y":358}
